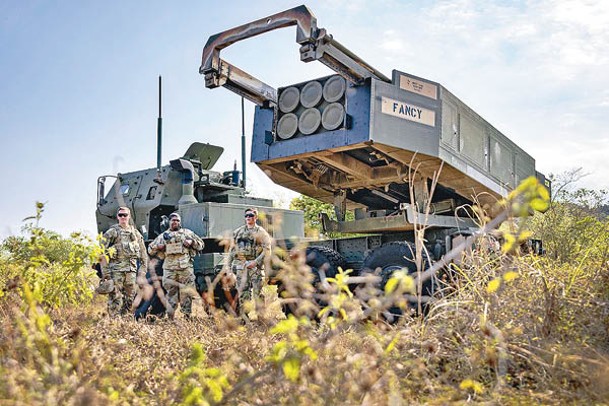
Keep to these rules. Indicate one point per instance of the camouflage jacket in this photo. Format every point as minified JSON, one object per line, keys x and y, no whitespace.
{"x":177,"y":256}
{"x":126,"y":246}
{"x":250,"y":244}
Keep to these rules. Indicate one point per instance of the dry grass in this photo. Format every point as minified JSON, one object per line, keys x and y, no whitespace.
{"x":505,"y":329}
{"x":537,"y":339}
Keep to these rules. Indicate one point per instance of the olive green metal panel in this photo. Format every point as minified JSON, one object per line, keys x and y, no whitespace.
{"x":217,"y":220}
{"x":206,"y":154}
{"x":525,"y":167}
{"x":473,"y":140}
{"x":501,"y":160}
{"x":450,"y":126}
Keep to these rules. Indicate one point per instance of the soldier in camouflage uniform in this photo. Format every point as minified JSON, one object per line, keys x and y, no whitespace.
{"x":126,"y":247}
{"x":178,"y":246}
{"x":250,"y":248}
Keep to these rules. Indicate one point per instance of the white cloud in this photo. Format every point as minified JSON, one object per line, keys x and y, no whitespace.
{"x":346,"y":6}
{"x":392,"y":42}
{"x":604,"y":98}
{"x":589,"y":154}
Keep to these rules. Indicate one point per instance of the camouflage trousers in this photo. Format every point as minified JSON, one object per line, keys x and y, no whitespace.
{"x":121,"y":298}
{"x":180,"y":287}
{"x":249,"y":282}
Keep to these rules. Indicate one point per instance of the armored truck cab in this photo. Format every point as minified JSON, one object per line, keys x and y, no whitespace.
{"x":210,"y":203}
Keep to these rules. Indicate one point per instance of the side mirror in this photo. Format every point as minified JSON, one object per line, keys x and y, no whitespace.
{"x":101,"y":190}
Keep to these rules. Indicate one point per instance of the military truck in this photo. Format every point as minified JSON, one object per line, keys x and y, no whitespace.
{"x":387,"y":148}
{"x":373,"y":144}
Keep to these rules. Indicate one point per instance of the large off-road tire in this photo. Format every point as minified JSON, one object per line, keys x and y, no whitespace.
{"x":392,"y":257}
{"x":324,"y":259}
{"x":324,"y":262}
{"x":222,"y":299}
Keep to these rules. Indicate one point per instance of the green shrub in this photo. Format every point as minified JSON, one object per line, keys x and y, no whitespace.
{"x":58,"y":268}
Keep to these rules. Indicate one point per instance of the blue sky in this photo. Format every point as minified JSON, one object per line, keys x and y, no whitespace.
{"x":78,"y":83}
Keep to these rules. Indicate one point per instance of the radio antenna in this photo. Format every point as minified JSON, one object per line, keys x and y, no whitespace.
{"x":159,"y":138}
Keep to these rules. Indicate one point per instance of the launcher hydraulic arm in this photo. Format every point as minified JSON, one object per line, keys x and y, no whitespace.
{"x":315,"y":44}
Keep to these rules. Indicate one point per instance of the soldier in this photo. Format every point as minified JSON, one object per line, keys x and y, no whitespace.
{"x":250,"y":247}
{"x":126,"y":247}
{"x":179,"y":246}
